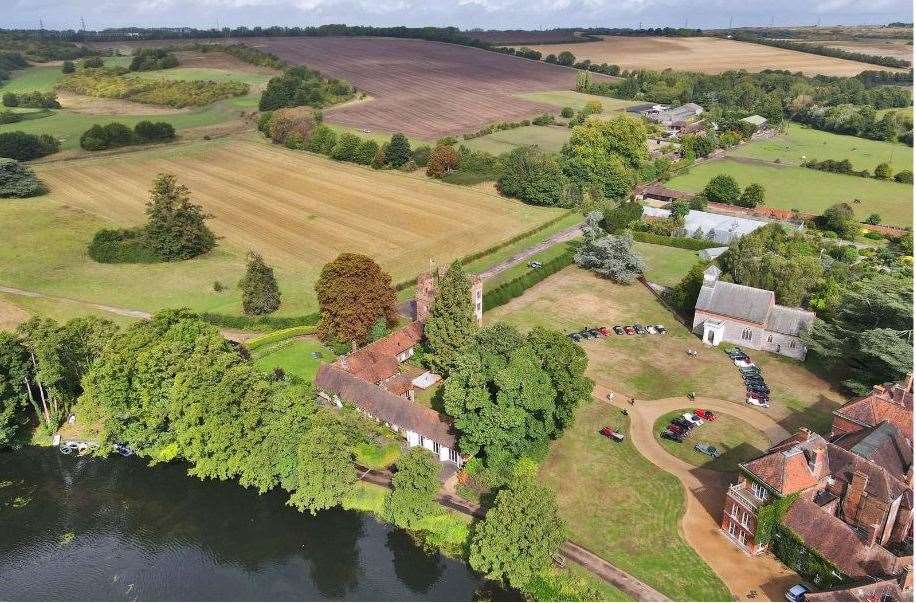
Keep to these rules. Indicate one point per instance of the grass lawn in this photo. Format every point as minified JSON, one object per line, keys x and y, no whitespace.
{"x":666,"y":265}
{"x":801,"y":143}
{"x":657,"y":366}
{"x":203,"y":73}
{"x":549,"y":138}
{"x":294,"y":356}
{"x":735,"y":439}
{"x":790,"y":187}
{"x":625,"y":509}
{"x":576,"y":100}
{"x":431,"y":396}
{"x":523,"y":267}
{"x":31,"y":79}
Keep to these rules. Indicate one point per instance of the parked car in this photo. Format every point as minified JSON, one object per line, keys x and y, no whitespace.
{"x":651,"y":330}
{"x":619,"y":330}
{"x":574,"y":336}
{"x":670,"y":435}
{"x":629,"y":330}
{"x":710,"y":451}
{"x":755,"y":399}
{"x":706,"y":415}
{"x":611,"y":433}
{"x":797,"y":592}
{"x":604,"y":331}
{"x":640,"y":330}
{"x":593,"y":333}
{"x":689,"y":416}
{"x":743,"y":363}
{"x":683,"y":423}
{"x":535,"y":265}
{"x":678,"y":429}
{"x":661,"y":330}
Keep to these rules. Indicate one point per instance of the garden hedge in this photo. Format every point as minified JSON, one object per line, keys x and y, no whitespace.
{"x":512,"y":289}
{"x":280,"y":335}
{"x":681,"y":242}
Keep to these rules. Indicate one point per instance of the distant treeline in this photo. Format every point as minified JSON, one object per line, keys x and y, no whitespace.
{"x":826,"y":51}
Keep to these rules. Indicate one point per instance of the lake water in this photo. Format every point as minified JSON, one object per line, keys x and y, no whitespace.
{"x":84,"y":529}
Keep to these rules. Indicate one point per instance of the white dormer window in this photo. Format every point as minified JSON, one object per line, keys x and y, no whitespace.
{"x":759,"y":491}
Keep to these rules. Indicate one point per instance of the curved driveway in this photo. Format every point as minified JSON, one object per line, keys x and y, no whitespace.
{"x":747,"y":577}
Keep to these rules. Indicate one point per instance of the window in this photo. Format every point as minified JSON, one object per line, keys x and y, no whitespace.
{"x":746,"y":335}
{"x":792,"y":344}
{"x":745,"y":518}
{"x":770,"y":339}
{"x":453,"y":456}
{"x":422,"y":441}
{"x":759,"y":491}
{"x":436,"y":447}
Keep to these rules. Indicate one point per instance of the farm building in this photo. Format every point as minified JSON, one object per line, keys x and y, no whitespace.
{"x":749,"y":317}
{"x":854,"y":502}
{"x":659,"y":192}
{"x":667,"y":116}
{"x":757,"y":120}
{"x":715,"y":227}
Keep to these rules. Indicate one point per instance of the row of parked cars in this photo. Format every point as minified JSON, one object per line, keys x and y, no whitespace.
{"x":634,"y":329}
{"x":757,"y":394}
{"x":680,"y":427}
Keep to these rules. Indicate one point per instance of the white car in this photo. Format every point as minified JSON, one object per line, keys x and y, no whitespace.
{"x":689,"y":416}
{"x":757,"y":402}
{"x":744,"y":364}
{"x":652,"y":330}
{"x":797,"y":592}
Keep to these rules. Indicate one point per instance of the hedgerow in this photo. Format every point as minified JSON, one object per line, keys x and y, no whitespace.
{"x":517,"y":286}
{"x":680,"y":242}
{"x":279,"y":335}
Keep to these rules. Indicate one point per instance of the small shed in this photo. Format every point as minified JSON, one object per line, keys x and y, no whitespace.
{"x":757,"y":120}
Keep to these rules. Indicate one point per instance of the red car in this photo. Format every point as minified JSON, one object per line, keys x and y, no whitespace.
{"x":706,"y":415}
{"x":675,"y":428}
{"x":629,"y":330}
{"x":604,"y":331}
{"x":611,"y":434}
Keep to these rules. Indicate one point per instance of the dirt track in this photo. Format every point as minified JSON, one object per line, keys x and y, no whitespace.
{"x":705,"y":494}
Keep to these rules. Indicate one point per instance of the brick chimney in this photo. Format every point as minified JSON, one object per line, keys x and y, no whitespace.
{"x":855,"y":493}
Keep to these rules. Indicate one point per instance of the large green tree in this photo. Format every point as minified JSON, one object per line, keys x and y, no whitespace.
{"x":414,"y":488}
{"x":611,"y":256}
{"x":260,"y":292}
{"x":398,"y":151}
{"x":353,"y":294}
{"x":451,"y":324}
{"x":15,"y":391}
{"x":509,"y":394}
{"x":533,"y":176}
{"x":722,"y":189}
{"x":176,"y":228}
{"x":325,"y":473}
{"x":519,"y":535}
{"x":606,"y":153}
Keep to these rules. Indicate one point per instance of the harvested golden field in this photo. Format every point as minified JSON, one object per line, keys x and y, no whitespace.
{"x":298,"y":210}
{"x":882,"y":47}
{"x":707,"y":55}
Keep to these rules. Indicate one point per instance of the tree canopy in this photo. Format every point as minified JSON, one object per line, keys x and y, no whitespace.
{"x":533,"y":176}
{"x":260,"y":292}
{"x":176,"y":228}
{"x":452,"y":323}
{"x":17,"y":180}
{"x":722,"y":189}
{"x":611,"y":256}
{"x":606,"y":153}
{"x":353,"y":294}
{"x":414,"y":488}
{"x":510,"y":394}
{"x":325,"y":473}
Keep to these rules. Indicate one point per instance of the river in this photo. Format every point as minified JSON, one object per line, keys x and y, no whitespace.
{"x":85,"y":529}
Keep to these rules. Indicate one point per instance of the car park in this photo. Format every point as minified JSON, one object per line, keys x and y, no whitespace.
{"x":708,"y":450}
{"x":619,"y":330}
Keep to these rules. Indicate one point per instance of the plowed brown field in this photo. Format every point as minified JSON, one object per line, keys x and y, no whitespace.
{"x":424,"y":89}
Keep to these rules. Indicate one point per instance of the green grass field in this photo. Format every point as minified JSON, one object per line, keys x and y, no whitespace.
{"x":735,"y":439}
{"x":800,"y":143}
{"x":666,"y":265}
{"x":202,"y":73}
{"x":790,"y":187}
{"x":294,"y":357}
{"x":624,"y":508}
{"x":549,"y":138}
{"x":576,"y":100}
{"x":41,"y":79}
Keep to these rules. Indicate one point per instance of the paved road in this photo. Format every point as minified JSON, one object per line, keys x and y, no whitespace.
{"x":705,"y":491}
{"x":560,"y":237}
{"x":611,"y":574}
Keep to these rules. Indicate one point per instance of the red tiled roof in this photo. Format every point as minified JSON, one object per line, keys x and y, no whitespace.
{"x":378,"y":360}
{"x":889,"y":402}
{"x":828,"y":535}
{"x":882,"y":590}
{"x":790,"y":465}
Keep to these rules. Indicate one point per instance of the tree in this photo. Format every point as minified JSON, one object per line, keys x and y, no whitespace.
{"x":322,"y":140}
{"x":519,"y":534}
{"x":509,"y":394}
{"x":148,"y":131}
{"x":883,"y":171}
{"x":24,"y":147}
{"x":68,"y":67}
{"x":413,"y":488}
{"x":905,"y":176}
{"x":722,"y":189}
{"x":567,"y":112}
{"x":176,"y":228}
{"x":616,"y":220}
{"x":869,"y":339}
{"x":17,"y":180}
{"x":451,"y":324}
{"x":611,"y":256}
{"x":325,"y":473}
{"x":260,"y":293}
{"x":607,"y":154}
{"x":533,"y":176}
{"x":398,"y":151}
{"x":752,"y":196}
{"x":366,"y":152}
{"x":841,"y":219}
{"x":346,"y":147}
{"x":15,"y":392}
{"x":442,"y":160}
{"x":683,"y":296}
{"x":353,"y":293}
{"x":290,"y":121}
{"x":679,"y":211}
{"x":566,"y":58}
{"x":873,"y":219}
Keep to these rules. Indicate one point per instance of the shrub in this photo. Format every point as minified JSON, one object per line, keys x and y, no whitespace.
{"x":905,"y":176}
{"x":108,"y":136}
{"x":10,"y":99}
{"x":442,"y":160}
{"x":31,"y":100}
{"x":288,"y":121}
{"x":170,"y":93}
{"x":421,"y":153}
{"x":752,"y":196}
{"x":149,"y":131}
{"x":346,"y":147}
{"x":92,"y":63}
{"x":512,"y":289}
{"x":264,"y":122}
{"x":366,"y":152}
{"x":8,"y":117}
{"x":68,"y":67}
{"x":398,"y":151}
{"x":17,"y":180}
{"x":680,"y":242}
{"x":722,"y":189}
{"x":150,"y":59}
{"x":873,"y":219}
{"x":883,"y":171}
{"x":322,"y":140}
{"x":23,"y":147}
{"x":121,"y":246}
{"x":567,"y":112}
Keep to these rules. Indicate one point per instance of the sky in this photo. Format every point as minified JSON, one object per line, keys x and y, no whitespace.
{"x":467,"y":14}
